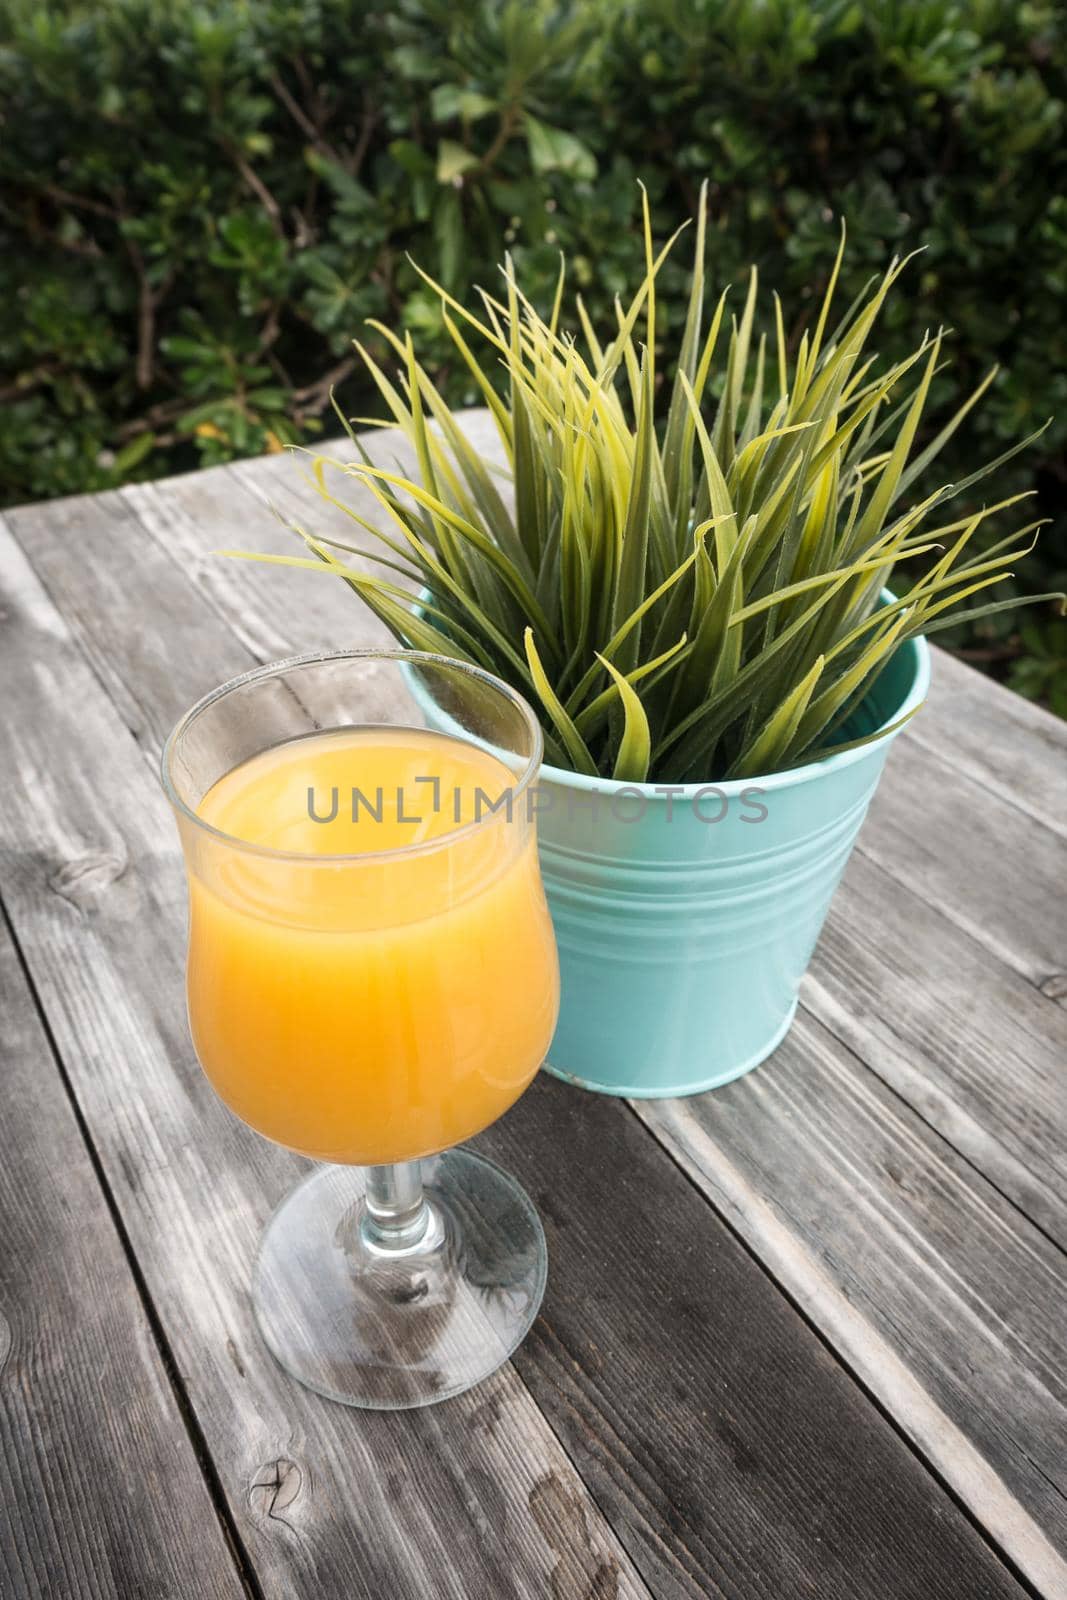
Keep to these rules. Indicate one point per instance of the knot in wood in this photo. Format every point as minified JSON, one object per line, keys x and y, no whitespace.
{"x":83,"y":880}
{"x":276,"y":1487}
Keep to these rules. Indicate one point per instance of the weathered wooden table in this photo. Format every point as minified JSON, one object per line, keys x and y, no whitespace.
{"x":804,"y":1336}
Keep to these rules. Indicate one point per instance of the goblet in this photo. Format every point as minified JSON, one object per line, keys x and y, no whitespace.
{"x":372,"y":979}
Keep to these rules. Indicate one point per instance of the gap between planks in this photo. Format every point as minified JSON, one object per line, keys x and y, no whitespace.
{"x":109,"y":1242}
{"x":943,"y":1448}
{"x":194,"y":1432}
{"x":184,"y":1224}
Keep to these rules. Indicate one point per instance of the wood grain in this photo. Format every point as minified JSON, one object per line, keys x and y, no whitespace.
{"x":656,"y":1421}
{"x":273,"y":611}
{"x":834,"y":1504}
{"x":102,"y":1495}
{"x":329,"y":1502}
{"x":985,"y":864}
{"x":717,"y":1432}
{"x":948,"y":1305}
{"x":966,"y":1041}
{"x":1007,"y":744}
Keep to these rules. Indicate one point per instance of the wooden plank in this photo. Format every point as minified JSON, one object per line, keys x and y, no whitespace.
{"x":102,"y":1495}
{"x":972,"y":1047}
{"x":716,"y":1431}
{"x":328,"y":1501}
{"x":109,"y":576}
{"x":1006,"y":743}
{"x":988,"y":866}
{"x":285,"y":484}
{"x":683,"y":1546}
{"x":274,"y":611}
{"x":938,"y":1014}
{"x":929,"y":1036}
{"x":947,"y":1305}
{"x":738,"y":1458}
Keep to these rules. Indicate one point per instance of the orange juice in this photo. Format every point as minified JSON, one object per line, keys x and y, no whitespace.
{"x":373,"y":977}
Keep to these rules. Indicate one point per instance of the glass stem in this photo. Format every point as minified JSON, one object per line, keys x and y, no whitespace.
{"x":395,"y":1216}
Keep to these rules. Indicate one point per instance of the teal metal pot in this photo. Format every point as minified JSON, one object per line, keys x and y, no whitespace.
{"x":687,"y":916}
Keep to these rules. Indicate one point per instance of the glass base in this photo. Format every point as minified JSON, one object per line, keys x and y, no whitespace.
{"x":393,"y":1328}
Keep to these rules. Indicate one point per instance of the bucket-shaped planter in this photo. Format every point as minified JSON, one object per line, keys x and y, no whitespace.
{"x":686,"y":916}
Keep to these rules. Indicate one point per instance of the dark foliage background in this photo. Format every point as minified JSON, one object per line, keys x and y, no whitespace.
{"x":202,"y":200}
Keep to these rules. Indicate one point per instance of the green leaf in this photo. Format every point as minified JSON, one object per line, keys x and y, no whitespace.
{"x":453,"y":160}
{"x":631,"y":762}
{"x":621,"y":633}
{"x":837,"y":749}
{"x":630,"y":585}
{"x":823,"y":711}
{"x":774,"y":739}
{"x":972,"y":613}
{"x":132,"y":454}
{"x":568,"y":733}
{"x":448,"y":101}
{"x":552,"y":150}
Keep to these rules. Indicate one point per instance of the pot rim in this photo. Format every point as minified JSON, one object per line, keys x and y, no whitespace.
{"x":919,"y":650}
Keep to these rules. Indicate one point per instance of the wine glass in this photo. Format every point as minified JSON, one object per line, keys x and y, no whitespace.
{"x":372,"y":979}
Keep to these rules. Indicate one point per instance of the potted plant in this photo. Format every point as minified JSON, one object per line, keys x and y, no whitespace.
{"x":699,"y":610}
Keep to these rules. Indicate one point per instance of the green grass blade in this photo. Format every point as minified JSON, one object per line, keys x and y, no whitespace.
{"x":590,"y":719}
{"x":770,"y":745}
{"x":635,"y":746}
{"x":835,"y":749}
{"x":568,"y":734}
{"x":630,"y":583}
{"x":972,"y":613}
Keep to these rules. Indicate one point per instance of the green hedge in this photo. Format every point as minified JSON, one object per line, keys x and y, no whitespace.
{"x":202,"y":200}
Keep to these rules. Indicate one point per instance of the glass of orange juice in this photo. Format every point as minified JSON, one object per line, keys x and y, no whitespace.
{"x":372,"y":979}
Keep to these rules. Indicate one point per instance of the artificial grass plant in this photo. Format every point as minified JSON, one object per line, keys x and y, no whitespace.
{"x":685,"y":600}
